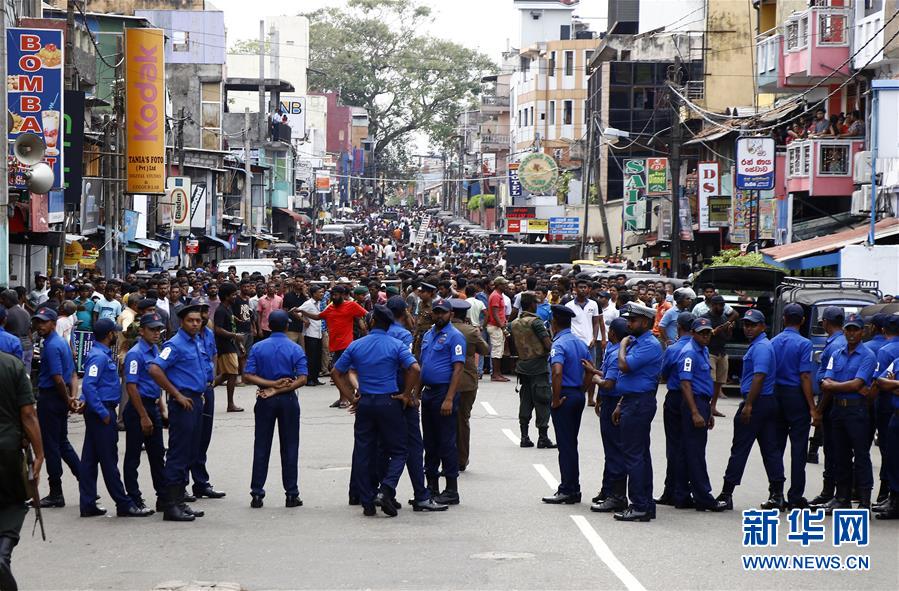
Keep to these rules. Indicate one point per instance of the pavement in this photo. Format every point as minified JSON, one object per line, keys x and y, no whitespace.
{"x":500,"y":537}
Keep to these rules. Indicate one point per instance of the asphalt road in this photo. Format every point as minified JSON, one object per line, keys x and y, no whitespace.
{"x":500,"y":537}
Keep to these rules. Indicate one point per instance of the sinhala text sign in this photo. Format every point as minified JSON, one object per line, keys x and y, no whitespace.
{"x":755,"y":163}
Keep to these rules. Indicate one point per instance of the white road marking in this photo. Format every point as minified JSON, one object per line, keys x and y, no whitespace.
{"x":489,"y":408}
{"x":547,"y":476}
{"x":606,"y":555}
{"x":512,"y":437}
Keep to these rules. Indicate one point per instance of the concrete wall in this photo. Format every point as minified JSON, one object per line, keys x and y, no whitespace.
{"x":184,"y":83}
{"x":204,"y":33}
{"x":730,"y":71}
{"x":551,"y":17}
{"x":874,"y":263}
{"x":128,"y":7}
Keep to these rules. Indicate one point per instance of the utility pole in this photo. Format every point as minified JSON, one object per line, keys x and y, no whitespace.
{"x":263,"y":114}
{"x":676,"y":139}
{"x":600,"y":197}
{"x":585,"y":184}
{"x":117,"y":165}
{"x":459,"y":183}
{"x":4,"y":166}
{"x":108,"y":215}
{"x":70,"y":45}
{"x":179,"y":142}
{"x":247,"y":189}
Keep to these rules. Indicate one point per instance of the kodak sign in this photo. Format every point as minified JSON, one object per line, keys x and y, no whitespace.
{"x":145,"y":110}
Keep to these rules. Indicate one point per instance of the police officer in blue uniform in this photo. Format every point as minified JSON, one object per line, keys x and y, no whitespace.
{"x":278,"y":367}
{"x":697,"y":389}
{"x":883,"y":405}
{"x":442,"y":360}
{"x":756,"y":418}
{"x":9,"y":343}
{"x":569,"y":382}
{"x":796,"y":405}
{"x":639,"y":361}
{"x":887,"y":382}
{"x":202,"y":487}
{"x":671,"y":415}
{"x":378,"y":406}
{"x":57,"y":385}
{"x":878,"y":338}
{"x":101,"y":391}
{"x":181,"y":370}
{"x":142,"y":415}
{"x":846,"y":380}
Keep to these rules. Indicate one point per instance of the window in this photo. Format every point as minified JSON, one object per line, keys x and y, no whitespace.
{"x":552,"y":112}
{"x":569,"y":63}
{"x":588,"y":56}
{"x":533,"y":121}
{"x":644,"y":98}
{"x":806,"y":158}
{"x":643,"y":74}
{"x":567,"y":112}
{"x":833,"y":160}
{"x":180,"y":41}
{"x":211,"y":115}
{"x":831,"y":28}
{"x":552,"y":63}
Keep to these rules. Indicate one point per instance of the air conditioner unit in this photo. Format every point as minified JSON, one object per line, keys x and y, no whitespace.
{"x":861,"y":170}
{"x":861,"y":201}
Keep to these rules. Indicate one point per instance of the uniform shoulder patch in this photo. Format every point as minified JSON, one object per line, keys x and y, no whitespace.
{"x":132,"y":367}
{"x":458,"y":350}
{"x":165,"y":353}
{"x":552,"y":352}
{"x":93,"y":371}
{"x":830,"y":363}
{"x":688,"y":364}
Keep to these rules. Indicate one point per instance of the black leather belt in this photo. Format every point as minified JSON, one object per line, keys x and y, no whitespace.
{"x":844,"y":402}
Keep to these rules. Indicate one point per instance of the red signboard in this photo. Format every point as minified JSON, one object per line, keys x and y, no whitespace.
{"x":513,"y":225}
{"x":520,"y":213}
{"x":192,"y":246}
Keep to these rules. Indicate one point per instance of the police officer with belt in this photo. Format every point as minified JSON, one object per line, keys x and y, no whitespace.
{"x":202,"y":487}
{"x":101,"y":391}
{"x":378,"y":406}
{"x":846,"y":381}
{"x":143,"y":417}
{"x":278,"y":367}
{"x":424,"y":318}
{"x":887,"y":382}
{"x":442,"y":359}
{"x":796,"y":405}
{"x":672,"y":419}
{"x":883,"y":405}
{"x":756,"y":418}
{"x":181,"y":370}
{"x":533,"y":343}
{"x":468,"y":383}
{"x":569,"y":384}
{"x":639,"y":362}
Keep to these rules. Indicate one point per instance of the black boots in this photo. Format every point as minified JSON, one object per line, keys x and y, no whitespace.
{"x":776,"y":497}
{"x":450,"y":496}
{"x":433,"y":483}
{"x":54,"y":499}
{"x":864,"y":498}
{"x":884,"y":493}
{"x":841,"y":500}
{"x":525,"y":439}
{"x":544,"y":442}
{"x":888,"y":509}
{"x":7,"y":581}
{"x":175,"y":510}
{"x":826,"y":494}
{"x":616,"y":500}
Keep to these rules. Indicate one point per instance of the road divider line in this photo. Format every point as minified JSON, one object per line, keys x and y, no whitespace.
{"x":512,"y":437}
{"x":606,"y":555}
{"x":489,"y":408}
{"x":547,"y":476}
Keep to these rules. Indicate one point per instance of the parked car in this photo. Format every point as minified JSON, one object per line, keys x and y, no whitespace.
{"x":264,"y":266}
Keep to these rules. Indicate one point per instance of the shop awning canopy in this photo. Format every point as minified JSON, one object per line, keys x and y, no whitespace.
{"x":298,"y":217}
{"x":218,"y":241}
{"x":70,"y":238}
{"x":147,"y":243}
{"x":789,"y":255}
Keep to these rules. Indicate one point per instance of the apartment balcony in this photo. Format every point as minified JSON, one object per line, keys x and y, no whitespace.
{"x":862,"y":31}
{"x":494,"y":104}
{"x":822,"y":167}
{"x":816,"y":46}
{"x":492,"y":142}
{"x":769,"y":59}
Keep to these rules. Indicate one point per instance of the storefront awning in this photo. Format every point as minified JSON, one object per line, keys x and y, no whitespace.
{"x":787,"y":255}
{"x":298,"y":217}
{"x":219,"y":241}
{"x":70,"y":238}
{"x":147,"y":243}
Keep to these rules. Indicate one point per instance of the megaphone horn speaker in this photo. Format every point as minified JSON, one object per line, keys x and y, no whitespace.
{"x":29,"y":149}
{"x":39,"y":178}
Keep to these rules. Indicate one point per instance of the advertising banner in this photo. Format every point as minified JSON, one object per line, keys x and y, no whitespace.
{"x":634,"y":212}
{"x":145,"y":110}
{"x":198,"y":217}
{"x":295,"y":109}
{"x":741,"y":216}
{"x":719,"y":212}
{"x":567,"y":226}
{"x":755,"y":163}
{"x":657,"y":176}
{"x":709,"y":186}
{"x":535,"y":226}
{"x":520,"y":213}
{"x":179,"y":196}
{"x":73,"y":146}
{"x":513,"y":225}
{"x":90,"y":206}
{"x":514,"y":182}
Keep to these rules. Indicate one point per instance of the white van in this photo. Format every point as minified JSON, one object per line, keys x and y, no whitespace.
{"x":264,"y":266}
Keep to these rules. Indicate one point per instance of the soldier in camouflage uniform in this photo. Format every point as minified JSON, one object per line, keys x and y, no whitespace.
{"x":423,"y":318}
{"x":468,"y":382}
{"x":533,"y":343}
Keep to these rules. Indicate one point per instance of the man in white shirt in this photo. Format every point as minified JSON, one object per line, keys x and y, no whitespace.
{"x":702,"y":308}
{"x":40,"y":293}
{"x":312,"y":334}
{"x":608,"y":311}
{"x":586,"y":325}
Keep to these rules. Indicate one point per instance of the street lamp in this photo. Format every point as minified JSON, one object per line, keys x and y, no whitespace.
{"x":610,"y":136}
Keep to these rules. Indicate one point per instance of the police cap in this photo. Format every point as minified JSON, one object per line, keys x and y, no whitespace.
{"x":633,"y":310}
{"x":427,"y":286}
{"x":560,"y":311}
{"x":794,"y":311}
{"x":685,"y":320}
{"x":151,"y":321}
{"x":145,"y":303}
{"x":854,"y":320}
{"x":619,"y":327}
{"x":104,"y":326}
{"x":753,"y":316}
{"x":383,"y":313}
{"x":893,"y":322}
{"x":278,"y":320}
{"x":185,"y":309}
{"x":45,"y":314}
{"x":833,"y":314}
{"x":396,"y":304}
{"x":701,"y":324}
{"x":442,"y":304}
{"x":880,"y":320}
{"x":459,"y":304}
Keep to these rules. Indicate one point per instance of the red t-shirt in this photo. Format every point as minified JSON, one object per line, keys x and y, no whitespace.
{"x":340,"y":323}
{"x":496,"y":309}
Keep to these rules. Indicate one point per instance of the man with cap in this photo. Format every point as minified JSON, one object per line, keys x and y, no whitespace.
{"x":533,"y":344}
{"x":142,"y":414}
{"x":796,"y":405}
{"x":756,"y":418}
{"x":57,"y":391}
{"x":9,"y":343}
{"x":569,"y":383}
{"x":443,"y":350}
{"x":277,"y":366}
{"x":722,"y":328}
{"x":672,"y":419}
{"x":424,"y":318}
{"x":496,"y":328}
{"x":846,"y":381}
{"x":468,"y":382}
{"x":696,"y":387}
{"x":877,"y":338}
{"x":181,"y":370}
{"x":888,"y":383}
{"x":201,"y":486}
{"x":832,"y":323}
{"x":883,"y":405}
{"x":101,"y":391}
{"x":378,"y":405}
{"x":639,"y":363}
{"x":683,"y":302}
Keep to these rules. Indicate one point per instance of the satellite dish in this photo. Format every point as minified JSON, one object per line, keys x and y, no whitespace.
{"x":29,"y":149}
{"x":39,"y":178}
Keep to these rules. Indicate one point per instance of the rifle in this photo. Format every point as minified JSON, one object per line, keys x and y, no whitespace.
{"x":32,"y":490}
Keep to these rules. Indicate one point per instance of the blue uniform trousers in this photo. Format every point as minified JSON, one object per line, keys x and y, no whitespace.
{"x":793,"y":422}
{"x":439,"y":433}
{"x":283,"y":409}
{"x":567,"y":424}
{"x":883,"y":407}
{"x":101,"y":448}
{"x":613,"y":460}
{"x":198,"y":469}
{"x":674,"y":446}
{"x":762,"y":427}
{"x":892,"y":435}
{"x":830,"y":456}
{"x":53,"y":416}
{"x":184,"y":439}
{"x":379,"y":422}
{"x":415,"y":450}
{"x":135,"y":440}
{"x":695,"y":476}
{"x":637,"y":412}
{"x":851,"y":427}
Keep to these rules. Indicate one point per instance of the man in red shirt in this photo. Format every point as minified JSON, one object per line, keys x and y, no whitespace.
{"x":267,"y":304}
{"x":340,"y":315}
{"x":496,"y":327}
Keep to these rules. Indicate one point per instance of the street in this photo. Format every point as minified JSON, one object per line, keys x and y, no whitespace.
{"x":501,"y":536}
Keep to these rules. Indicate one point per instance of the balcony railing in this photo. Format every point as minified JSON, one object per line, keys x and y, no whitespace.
{"x":494,"y":140}
{"x":822,"y":166}
{"x":864,"y":30}
{"x":494,"y":101}
{"x":695,"y":90}
{"x":815,"y":45}
{"x":767,"y":52}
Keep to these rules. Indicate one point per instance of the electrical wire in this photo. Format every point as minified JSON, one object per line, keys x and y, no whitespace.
{"x":94,"y":40}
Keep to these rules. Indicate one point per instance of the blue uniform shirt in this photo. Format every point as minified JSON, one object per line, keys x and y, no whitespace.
{"x":277,"y":357}
{"x":610,"y":369}
{"x":794,"y":357}
{"x":377,"y":358}
{"x":544,"y":312}
{"x":671,"y":363}
{"x":10,"y":344}
{"x":876,"y":343}
{"x":885,"y":357}
{"x":844,"y":366}
{"x":693,"y":365}
{"x":56,"y":359}
{"x":399,"y":332}
{"x":833,"y":342}
{"x":759,"y":359}
{"x":101,"y":380}
{"x":668,"y":323}
{"x":184,"y":361}
{"x":644,"y":361}
{"x":569,"y":350}
{"x":440,"y":349}
{"x":892,"y":367}
{"x":210,"y":350}
{"x":137,"y":369}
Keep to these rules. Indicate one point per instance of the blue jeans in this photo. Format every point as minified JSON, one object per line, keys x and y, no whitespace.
{"x":135,"y":440}
{"x":101,"y":448}
{"x":637,"y":412}
{"x":283,"y":409}
{"x":439,"y":433}
{"x":53,"y":416}
{"x":567,"y":425}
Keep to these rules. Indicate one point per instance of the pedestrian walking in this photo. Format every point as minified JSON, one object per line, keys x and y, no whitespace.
{"x":533,"y":344}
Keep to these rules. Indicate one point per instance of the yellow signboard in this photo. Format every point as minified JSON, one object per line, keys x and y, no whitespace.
{"x":145,"y":110}
{"x":72,"y":254}
{"x":536,"y":226}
